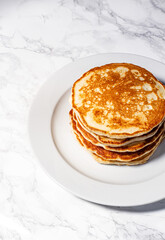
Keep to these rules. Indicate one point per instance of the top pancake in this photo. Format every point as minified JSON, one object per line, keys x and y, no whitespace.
{"x":119,"y":100}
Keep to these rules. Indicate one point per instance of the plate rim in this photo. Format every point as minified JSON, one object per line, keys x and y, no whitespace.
{"x":61,"y":181}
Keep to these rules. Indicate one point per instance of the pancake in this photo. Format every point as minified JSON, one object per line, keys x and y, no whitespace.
{"x":113,"y":162}
{"x":139,"y":161}
{"x":119,"y":163}
{"x":119,"y":100}
{"x":112,"y":142}
{"x":110,"y":155}
{"x":135,"y":162}
{"x":135,"y":146}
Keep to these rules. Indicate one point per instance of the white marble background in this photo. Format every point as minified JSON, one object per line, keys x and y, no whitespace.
{"x":38,"y":37}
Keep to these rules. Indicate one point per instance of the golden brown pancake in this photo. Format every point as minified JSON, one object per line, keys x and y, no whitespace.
{"x":119,"y":100}
{"x":119,"y":163}
{"x":112,"y":142}
{"x":135,"y":146}
{"x":137,"y":161}
{"x":114,"y":156}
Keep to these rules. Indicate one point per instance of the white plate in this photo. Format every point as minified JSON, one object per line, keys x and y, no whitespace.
{"x":72,"y":166}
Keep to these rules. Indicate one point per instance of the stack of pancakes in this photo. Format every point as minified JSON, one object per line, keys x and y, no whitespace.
{"x":118,"y":113}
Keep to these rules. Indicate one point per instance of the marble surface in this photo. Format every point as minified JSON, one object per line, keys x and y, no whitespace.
{"x":36,"y":39}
